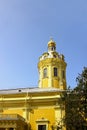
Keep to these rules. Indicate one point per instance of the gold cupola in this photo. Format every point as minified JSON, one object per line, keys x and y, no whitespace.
{"x":51,"y":45}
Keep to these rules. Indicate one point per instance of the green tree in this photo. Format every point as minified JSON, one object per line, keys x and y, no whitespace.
{"x":82,"y":92}
{"x":76,"y":104}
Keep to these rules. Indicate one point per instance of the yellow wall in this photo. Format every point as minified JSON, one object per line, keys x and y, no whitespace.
{"x":45,"y":82}
{"x":55,"y":82}
{"x":47,"y":113}
{"x":13,"y":111}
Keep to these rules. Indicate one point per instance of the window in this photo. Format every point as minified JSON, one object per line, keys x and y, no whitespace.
{"x":45,"y":73}
{"x":52,"y":48}
{"x":11,"y":128}
{"x":54,"y":56}
{"x":42,"y":124}
{"x":55,"y":72}
{"x":41,"y":127}
{"x":63,"y":74}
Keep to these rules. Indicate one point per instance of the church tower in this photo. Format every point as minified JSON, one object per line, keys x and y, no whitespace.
{"x":52,"y":68}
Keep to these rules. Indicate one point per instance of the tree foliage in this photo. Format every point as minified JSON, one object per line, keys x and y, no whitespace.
{"x":76,"y":104}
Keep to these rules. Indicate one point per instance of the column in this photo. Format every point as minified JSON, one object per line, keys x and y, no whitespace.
{"x":40,"y":77}
{"x":25,"y":113}
{"x":58,"y":116}
{"x":50,"y":76}
{"x":60,"y":76}
{"x":14,"y":128}
{"x":6,"y":128}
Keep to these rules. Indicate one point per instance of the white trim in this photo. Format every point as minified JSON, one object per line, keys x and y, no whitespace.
{"x":42,"y":121}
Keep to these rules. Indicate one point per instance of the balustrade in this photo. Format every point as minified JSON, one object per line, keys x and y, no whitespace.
{"x":11,"y":117}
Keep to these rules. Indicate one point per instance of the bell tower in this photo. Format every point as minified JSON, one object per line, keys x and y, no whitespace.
{"x":52,"y":68}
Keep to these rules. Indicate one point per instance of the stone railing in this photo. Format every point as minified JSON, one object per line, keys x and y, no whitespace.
{"x":11,"y":117}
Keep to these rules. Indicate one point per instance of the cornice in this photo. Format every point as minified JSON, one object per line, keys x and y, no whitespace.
{"x":51,"y":61}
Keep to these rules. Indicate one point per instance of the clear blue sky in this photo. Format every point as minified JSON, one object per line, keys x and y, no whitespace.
{"x":25,"y":29}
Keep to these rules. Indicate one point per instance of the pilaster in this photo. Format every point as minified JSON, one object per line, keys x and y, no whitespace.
{"x":50,"y":76}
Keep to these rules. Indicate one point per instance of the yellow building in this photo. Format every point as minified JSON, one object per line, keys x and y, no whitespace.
{"x":37,"y":108}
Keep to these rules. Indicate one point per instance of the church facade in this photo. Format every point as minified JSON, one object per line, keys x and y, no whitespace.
{"x":37,"y":108}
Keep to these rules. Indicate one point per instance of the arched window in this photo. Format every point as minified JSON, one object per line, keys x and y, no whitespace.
{"x":63,"y":74}
{"x":45,"y":73}
{"x":55,"y":72}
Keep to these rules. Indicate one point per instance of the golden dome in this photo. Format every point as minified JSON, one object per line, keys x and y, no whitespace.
{"x":51,"y":43}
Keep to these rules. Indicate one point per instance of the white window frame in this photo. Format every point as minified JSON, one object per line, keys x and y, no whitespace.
{"x":42,"y":122}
